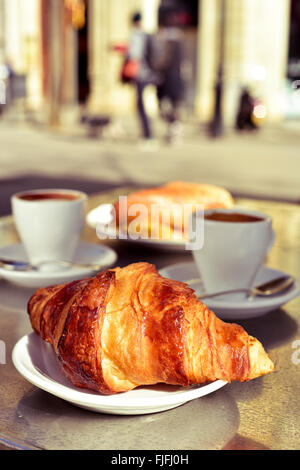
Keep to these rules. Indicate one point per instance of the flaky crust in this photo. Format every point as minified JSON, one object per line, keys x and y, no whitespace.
{"x":129,"y":326}
{"x":176,"y":201}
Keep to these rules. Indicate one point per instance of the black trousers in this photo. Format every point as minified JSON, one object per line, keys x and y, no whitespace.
{"x":144,"y":119}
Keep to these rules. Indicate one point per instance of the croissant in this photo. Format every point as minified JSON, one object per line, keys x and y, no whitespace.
{"x":163,"y":212}
{"x":129,"y":326}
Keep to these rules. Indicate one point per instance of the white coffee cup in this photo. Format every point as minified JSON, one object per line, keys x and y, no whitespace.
{"x":49,"y":222}
{"x":232,"y":252}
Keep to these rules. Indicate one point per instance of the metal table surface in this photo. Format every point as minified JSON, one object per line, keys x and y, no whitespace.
{"x":261,"y":414}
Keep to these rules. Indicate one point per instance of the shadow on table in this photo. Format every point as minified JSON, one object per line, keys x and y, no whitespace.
{"x":14,"y":297}
{"x":272,"y":329}
{"x":209,"y":422}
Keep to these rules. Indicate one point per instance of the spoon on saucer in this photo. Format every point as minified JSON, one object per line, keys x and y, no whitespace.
{"x":264,"y":290}
{"x":14,"y":265}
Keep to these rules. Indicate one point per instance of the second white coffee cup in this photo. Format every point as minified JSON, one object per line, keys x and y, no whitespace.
{"x":236,"y":242}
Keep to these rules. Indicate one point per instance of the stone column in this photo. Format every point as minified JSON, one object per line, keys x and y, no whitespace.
{"x":149,"y":10}
{"x":55,"y":56}
{"x":256,"y":47}
{"x":2,"y":32}
{"x":3,"y":86}
{"x":99,"y":21}
{"x":207,"y":57}
{"x":30,"y":13}
{"x":70,"y":111}
{"x":20,"y":32}
{"x":256,"y":52}
{"x":13,"y":37}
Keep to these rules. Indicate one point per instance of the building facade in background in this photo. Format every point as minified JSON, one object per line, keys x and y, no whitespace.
{"x":65,"y":50}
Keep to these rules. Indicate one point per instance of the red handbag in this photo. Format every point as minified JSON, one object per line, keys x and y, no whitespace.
{"x":130,"y":70}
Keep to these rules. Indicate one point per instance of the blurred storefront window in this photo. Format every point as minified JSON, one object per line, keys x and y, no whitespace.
{"x":179,"y":13}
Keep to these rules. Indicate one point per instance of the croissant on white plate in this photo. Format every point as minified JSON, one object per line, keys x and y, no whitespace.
{"x":128,"y":327}
{"x":163,"y":212}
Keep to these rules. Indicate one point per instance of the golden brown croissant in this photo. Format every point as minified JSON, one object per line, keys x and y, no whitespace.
{"x":176,"y":201}
{"x":129,"y":326}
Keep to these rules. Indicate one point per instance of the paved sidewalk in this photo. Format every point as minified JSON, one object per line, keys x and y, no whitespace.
{"x":262,"y":164}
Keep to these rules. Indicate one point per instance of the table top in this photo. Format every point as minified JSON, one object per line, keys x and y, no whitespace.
{"x":261,"y":414}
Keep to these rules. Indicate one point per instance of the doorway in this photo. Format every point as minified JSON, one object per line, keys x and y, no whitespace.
{"x":292,"y":88}
{"x":82,"y":58}
{"x":184,"y":15}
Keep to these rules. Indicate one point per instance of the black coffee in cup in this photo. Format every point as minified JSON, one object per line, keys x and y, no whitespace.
{"x":232,"y":217}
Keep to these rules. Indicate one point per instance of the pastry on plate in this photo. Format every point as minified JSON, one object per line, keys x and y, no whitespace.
{"x":129,"y":327}
{"x":163,"y":212}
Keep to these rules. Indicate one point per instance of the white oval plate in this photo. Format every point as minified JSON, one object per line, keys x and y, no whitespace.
{"x":232,"y":306}
{"x":36,"y":361}
{"x":101,"y":215}
{"x":86,"y":253}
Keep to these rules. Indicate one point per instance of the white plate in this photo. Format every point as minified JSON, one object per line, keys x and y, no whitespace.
{"x":234,"y":306}
{"x":36,"y":361}
{"x":100,"y":216}
{"x":86,"y":253}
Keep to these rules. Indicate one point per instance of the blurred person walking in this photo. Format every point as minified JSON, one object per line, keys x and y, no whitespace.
{"x":244,"y":118}
{"x":138,"y":71}
{"x":167,"y":61}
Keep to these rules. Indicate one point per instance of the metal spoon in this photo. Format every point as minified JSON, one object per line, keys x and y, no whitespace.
{"x":14,"y":265}
{"x":264,"y":290}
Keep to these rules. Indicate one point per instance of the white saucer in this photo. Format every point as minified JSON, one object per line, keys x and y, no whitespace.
{"x":233,"y":306}
{"x":100,"y":217}
{"x":86,"y":253}
{"x":36,"y":361}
